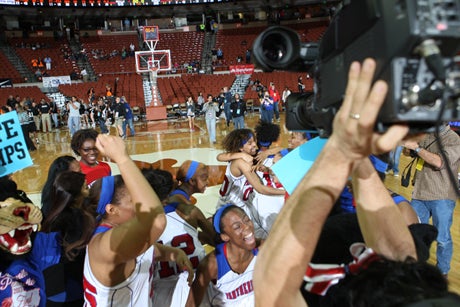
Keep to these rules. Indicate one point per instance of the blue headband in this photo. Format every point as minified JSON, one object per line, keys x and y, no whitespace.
{"x":379,"y":165}
{"x":245,"y":141}
{"x":265,"y":144}
{"x":107,"y":189}
{"x":191,"y":170}
{"x":218,"y":216}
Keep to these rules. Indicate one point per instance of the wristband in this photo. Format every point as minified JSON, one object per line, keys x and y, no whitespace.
{"x":417,"y":150}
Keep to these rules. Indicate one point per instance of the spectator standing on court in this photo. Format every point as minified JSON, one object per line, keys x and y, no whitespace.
{"x":285,"y":95}
{"x":300,"y":85}
{"x":54,"y":112}
{"x":128,"y":118}
{"x":434,"y":194}
{"x":238,"y":108}
{"x":36,"y":114}
{"x":73,"y":122}
{"x":227,"y":101}
{"x":45,"y":111}
{"x":190,"y":105}
{"x":210,"y":109}
{"x":275,"y":95}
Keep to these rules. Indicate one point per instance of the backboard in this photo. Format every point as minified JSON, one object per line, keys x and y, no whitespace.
{"x":151,"y":33}
{"x":159,"y":59}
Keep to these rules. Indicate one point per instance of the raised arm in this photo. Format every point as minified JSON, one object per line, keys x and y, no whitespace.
{"x":382,"y":224}
{"x":282,"y":262}
{"x":229,"y":156}
{"x":128,"y":240}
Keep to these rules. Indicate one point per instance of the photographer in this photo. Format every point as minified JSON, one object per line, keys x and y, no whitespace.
{"x":267,"y":108}
{"x":390,"y":252}
{"x":73,"y":121}
{"x":434,"y":194}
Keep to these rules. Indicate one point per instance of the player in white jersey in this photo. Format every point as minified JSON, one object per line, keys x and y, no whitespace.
{"x":240,"y":180}
{"x":232,"y":262}
{"x":130,"y":292}
{"x":183,"y":220}
{"x":133,"y":219}
{"x":180,"y":234}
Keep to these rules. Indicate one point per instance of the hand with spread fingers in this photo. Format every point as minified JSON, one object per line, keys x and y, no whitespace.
{"x":354,"y":123}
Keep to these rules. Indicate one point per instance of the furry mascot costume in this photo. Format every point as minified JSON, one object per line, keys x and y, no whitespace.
{"x":20,"y":283}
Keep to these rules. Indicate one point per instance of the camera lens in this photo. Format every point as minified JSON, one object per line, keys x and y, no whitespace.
{"x":274,"y":47}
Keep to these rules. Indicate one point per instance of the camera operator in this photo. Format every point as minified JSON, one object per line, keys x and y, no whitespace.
{"x":267,"y":108}
{"x":73,"y":121}
{"x":434,"y":194}
{"x":388,"y":262}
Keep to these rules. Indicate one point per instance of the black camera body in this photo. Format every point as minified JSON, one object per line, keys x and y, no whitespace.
{"x":413,"y":42}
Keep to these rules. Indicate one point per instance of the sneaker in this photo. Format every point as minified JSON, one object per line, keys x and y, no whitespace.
{"x":395,"y":174}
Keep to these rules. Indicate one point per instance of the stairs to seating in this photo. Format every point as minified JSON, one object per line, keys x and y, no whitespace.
{"x":18,"y":64}
{"x":206,"y":56}
{"x":240,"y":84}
{"x":82,"y":61}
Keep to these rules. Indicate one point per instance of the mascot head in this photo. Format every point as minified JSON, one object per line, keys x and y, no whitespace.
{"x":19,"y":217}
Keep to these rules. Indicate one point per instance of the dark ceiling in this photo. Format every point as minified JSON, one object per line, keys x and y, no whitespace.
{"x":243,"y":6}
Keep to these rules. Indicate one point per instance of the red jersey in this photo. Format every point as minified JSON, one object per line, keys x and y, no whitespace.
{"x":101,"y":169}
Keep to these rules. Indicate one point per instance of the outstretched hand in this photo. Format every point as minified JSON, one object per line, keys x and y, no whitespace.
{"x":353,"y":129}
{"x":112,"y":147}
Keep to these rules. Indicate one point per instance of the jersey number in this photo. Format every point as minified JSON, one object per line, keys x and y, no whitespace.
{"x":185,"y":243}
{"x":226,"y":184}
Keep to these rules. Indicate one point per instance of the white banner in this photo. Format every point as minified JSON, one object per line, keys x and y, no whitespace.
{"x":55,"y":81}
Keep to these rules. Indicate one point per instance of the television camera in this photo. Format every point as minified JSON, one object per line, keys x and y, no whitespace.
{"x":414,"y":43}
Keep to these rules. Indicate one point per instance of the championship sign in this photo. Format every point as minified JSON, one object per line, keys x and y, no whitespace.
{"x":14,"y":155}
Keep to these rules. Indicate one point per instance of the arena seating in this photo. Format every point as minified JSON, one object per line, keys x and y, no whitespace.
{"x":56,"y":50}
{"x":8,"y":71}
{"x":176,"y":89}
{"x":107,"y":44}
{"x":32,"y":92}
{"x":128,"y":85}
{"x":184,"y":46}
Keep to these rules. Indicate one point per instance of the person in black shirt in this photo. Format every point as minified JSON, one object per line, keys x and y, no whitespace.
{"x":45,"y":110}
{"x":36,"y":114}
{"x":10,"y":102}
{"x":54,"y":112}
{"x":100,"y":115}
{"x":119,"y":114}
{"x":238,"y":108}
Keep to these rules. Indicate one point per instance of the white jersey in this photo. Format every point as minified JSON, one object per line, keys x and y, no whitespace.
{"x":267,"y":206}
{"x":233,"y":289}
{"x":237,"y":191}
{"x":135,"y":291}
{"x":180,"y":234}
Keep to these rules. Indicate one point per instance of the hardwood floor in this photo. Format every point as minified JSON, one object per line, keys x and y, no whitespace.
{"x":170,"y":142}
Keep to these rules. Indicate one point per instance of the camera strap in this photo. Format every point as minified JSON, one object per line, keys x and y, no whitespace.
{"x":407,"y":172}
